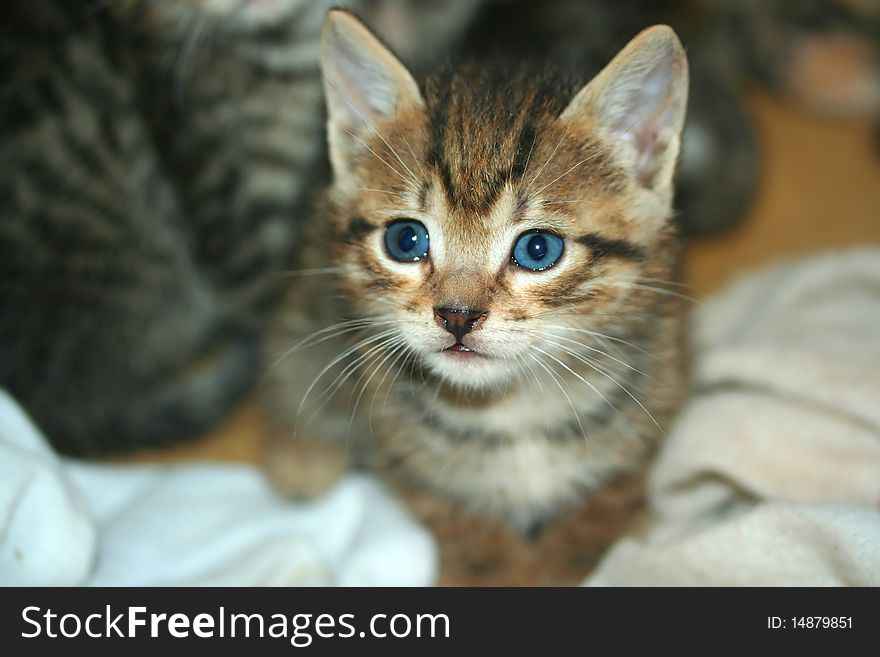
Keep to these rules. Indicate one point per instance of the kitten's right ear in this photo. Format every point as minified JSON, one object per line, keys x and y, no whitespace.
{"x":639,"y":99}
{"x":364,"y":85}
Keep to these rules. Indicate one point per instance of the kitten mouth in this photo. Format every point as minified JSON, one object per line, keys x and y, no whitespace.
{"x":459,"y":349}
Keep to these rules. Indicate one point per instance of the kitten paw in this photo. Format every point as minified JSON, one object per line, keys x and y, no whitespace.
{"x":305,"y":469}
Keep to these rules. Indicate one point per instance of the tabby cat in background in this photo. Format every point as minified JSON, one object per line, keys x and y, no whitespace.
{"x":156,"y":157}
{"x":491,"y":318}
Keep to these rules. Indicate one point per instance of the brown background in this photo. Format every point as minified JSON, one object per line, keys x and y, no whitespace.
{"x":819,"y":190}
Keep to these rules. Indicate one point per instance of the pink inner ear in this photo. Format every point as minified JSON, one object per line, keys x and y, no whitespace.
{"x":646,"y":136}
{"x":645,"y":111}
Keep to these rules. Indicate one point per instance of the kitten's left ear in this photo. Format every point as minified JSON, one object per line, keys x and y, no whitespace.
{"x":364,"y":84}
{"x":639,"y":101}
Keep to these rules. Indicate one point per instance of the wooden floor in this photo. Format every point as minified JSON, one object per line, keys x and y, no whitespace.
{"x":820,"y":190}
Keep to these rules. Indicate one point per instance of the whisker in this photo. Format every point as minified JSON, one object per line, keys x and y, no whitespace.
{"x":348,"y":371}
{"x":373,"y":128}
{"x":555,"y":312}
{"x":521,"y":360}
{"x":603,"y":336}
{"x":401,"y":351}
{"x":594,"y":349}
{"x":555,"y":377}
{"x":359,"y":345}
{"x":378,"y":157}
{"x":299,"y":344}
{"x":552,"y":153}
{"x":560,"y":177}
{"x":376,"y":365}
{"x":663,"y":281}
{"x":529,"y":156}
{"x":586,"y":360}
{"x":657,"y":290}
{"x":339,"y":381}
{"x":346,"y":326}
{"x":613,"y":380}
{"x":596,"y":154}
{"x":406,"y":141}
{"x":408,"y":353}
{"x":578,"y":376}
{"x":363,"y":342}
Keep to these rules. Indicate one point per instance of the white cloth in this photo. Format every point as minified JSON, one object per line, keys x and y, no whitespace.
{"x":65,"y":522}
{"x":772,"y":474}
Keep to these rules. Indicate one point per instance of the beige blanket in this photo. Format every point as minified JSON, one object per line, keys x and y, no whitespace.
{"x":772,"y":474}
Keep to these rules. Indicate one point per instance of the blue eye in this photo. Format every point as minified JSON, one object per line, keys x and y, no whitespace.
{"x":537,"y":250}
{"x":407,"y":240}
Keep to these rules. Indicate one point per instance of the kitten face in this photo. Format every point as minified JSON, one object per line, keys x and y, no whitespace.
{"x":491,"y":223}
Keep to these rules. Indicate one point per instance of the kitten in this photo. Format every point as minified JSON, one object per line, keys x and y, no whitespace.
{"x":157,"y":156}
{"x":485,"y":298}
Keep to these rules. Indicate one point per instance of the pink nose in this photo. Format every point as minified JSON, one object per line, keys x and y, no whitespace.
{"x":459,"y":321}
